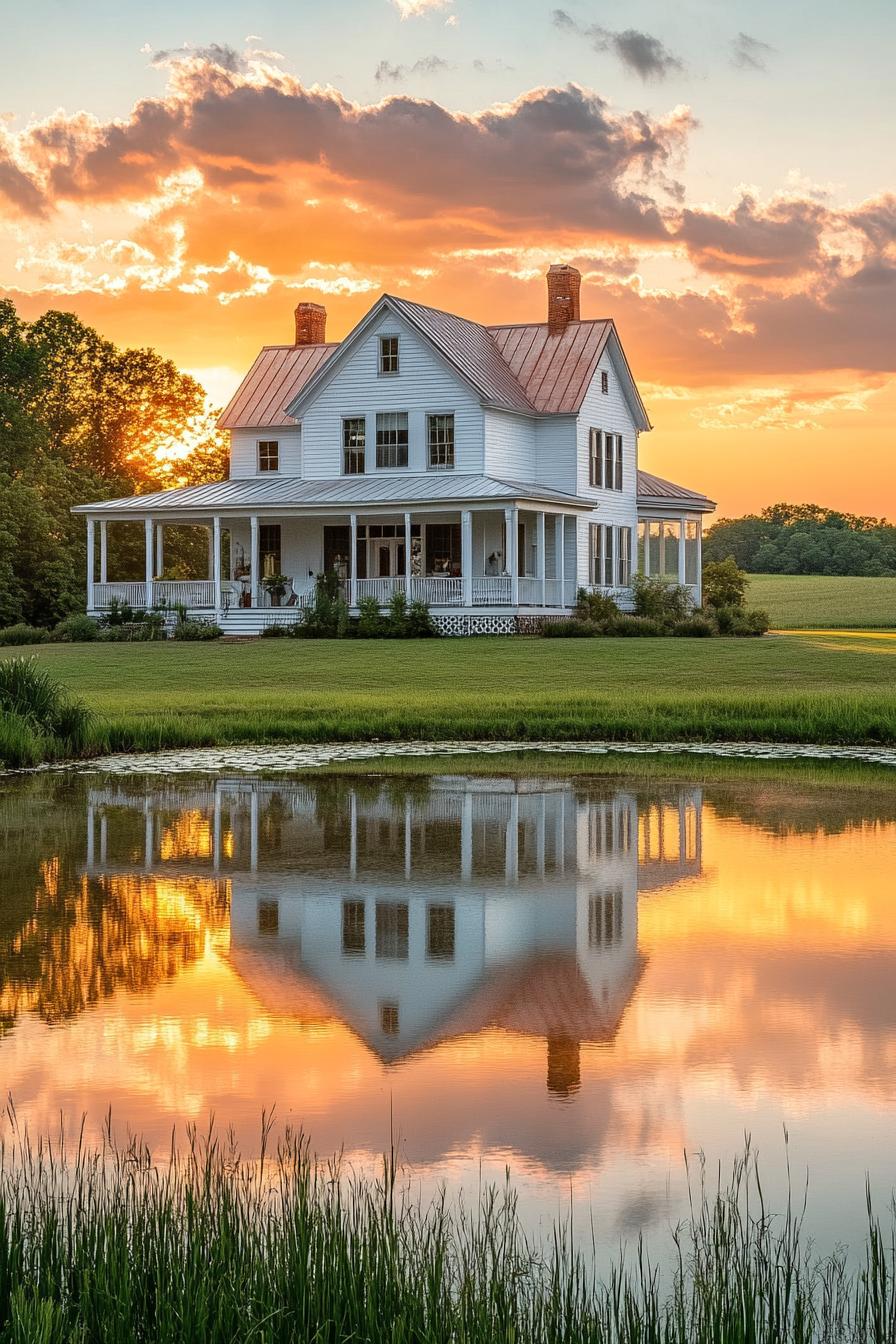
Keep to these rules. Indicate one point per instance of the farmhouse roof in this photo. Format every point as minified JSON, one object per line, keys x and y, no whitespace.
{"x":656,"y":489}
{"x":527,"y":369}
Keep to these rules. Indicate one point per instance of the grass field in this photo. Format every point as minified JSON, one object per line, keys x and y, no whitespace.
{"x":815,"y":602}
{"x":810,"y":688}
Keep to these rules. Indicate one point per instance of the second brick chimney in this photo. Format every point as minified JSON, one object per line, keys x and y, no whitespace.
{"x":311,"y":324}
{"x":563,"y":297}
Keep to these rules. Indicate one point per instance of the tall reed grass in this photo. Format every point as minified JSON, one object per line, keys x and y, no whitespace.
{"x":109,"y":1246}
{"x":39,"y":720}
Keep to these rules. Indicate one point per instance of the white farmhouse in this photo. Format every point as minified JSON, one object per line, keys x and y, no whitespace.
{"x":489,"y":471}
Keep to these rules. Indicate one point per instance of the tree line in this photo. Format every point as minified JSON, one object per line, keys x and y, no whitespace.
{"x":82,"y":420}
{"x":805,"y":539}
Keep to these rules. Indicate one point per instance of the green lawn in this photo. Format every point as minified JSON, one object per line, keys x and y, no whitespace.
{"x":815,"y":602}
{"x":788,"y":688}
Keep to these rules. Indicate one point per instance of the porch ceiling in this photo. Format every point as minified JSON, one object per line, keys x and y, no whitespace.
{"x":440,"y":489}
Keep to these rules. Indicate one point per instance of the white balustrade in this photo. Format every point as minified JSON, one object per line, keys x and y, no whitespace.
{"x":438,"y":590}
{"x":381,"y":589}
{"x":491,"y":590}
{"x":530,"y":592}
{"x":553,"y":596}
{"x":134,"y":594}
{"x":184,"y":592}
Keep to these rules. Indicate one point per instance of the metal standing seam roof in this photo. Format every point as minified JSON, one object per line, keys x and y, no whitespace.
{"x":554,"y":370}
{"x":656,"y":487}
{"x":278,"y":374}
{"x":342,"y":493}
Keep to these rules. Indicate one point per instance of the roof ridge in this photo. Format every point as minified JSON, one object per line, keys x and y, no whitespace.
{"x":578,"y":321}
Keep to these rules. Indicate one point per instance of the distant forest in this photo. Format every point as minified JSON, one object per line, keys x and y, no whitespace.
{"x":805,"y":539}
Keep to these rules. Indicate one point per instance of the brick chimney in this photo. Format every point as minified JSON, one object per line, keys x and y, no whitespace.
{"x":311,"y":324}
{"x":563,"y":297}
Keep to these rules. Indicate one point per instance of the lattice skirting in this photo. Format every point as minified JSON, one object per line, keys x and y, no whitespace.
{"x":493,"y":625}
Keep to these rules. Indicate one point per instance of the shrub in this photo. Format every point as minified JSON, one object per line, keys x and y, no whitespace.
{"x":23,"y":634}
{"x":420,"y":623}
{"x":595,"y":607}
{"x":397,"y":616}
{"x":724,"y":585}
{"x":327,"y":617}
{"x":76,"y":629}
{"x":370,"y":623}
{"x":196,"y":630}
{"x":742,"y":622}
{"x":274,"y":632}
{"x":570,"y":628}
{"x":118,"y":613}
{"x":633,"y":626}
{"x":660,"y":600}
{"x":697,"y":626}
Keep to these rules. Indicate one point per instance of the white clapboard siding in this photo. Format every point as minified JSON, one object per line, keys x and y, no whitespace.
{"x":244,"y":450}
{"x":425,"y":384}
{"x":509,"y":446}
{"x":608,"y":411}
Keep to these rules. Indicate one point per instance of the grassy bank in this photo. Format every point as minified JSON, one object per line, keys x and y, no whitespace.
{"x":110,"y":1247}
{"x":788,"y":689}
{"x":819,"y":602}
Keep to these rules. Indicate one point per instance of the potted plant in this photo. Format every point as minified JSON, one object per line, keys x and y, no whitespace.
{"x":275,"y":586}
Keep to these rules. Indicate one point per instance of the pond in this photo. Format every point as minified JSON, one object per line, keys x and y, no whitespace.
{"x":577,"y":978}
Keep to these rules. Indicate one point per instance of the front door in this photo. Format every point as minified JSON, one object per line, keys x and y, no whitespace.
{"x":387,"y":557}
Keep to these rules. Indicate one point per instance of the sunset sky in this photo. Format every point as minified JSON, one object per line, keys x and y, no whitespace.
{"x":181,"y":174}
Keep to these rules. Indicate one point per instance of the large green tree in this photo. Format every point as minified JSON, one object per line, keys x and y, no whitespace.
{"x":805,"y":539}
{"x":80,"y":420}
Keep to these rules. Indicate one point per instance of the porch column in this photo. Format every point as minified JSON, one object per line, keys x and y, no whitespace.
{"x":148,"y":540}
{"x":353,"y":562}
{"x":560,"y":554}
{"x":698,"y":595}
{"x":211,"y":553}
{"x":407,"y":555}
{"x":90,"y":559}
{"x":254,"y":562}
{"x":160,"y":547}
{"x":216,"y":559}
{"x":682,"y":572}
{"x":104,"y":551}
{"x":633,"y":558}
{"x":511,"y":520}
{"x":646,"y":522}
{"x":466,"y":556}
{"x":539,"y":551}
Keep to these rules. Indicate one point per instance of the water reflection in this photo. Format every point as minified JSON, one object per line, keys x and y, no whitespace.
{"x":578,"y":977}
{"x":412,"y":914}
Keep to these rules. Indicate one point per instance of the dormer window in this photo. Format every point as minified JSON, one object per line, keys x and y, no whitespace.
{"x":388,"y":354}
{"x":268,"y":455}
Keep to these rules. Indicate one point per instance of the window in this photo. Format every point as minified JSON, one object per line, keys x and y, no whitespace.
{"x":269,"y":918}
{"x":691,"y":552}
{"x":440,"y":932}
{"x":440,"y":432}
{"x":388,"y":354}
{"x":608,"y":557}
{"x":443,"y":548}
{"x":595,"y":467}
{"x":268,"y":455}
{"x":354,"y":438}
{"x":392,"y":931}
{"x":353,"y":928}
{"x":270,"y":549}
{"x":389,"y":1019}
{"x":605,"y":920}
{"x":604,"y":460}
{"x":604,"y":381}
{"x":392,"y":439}
{"x":623,"y":556}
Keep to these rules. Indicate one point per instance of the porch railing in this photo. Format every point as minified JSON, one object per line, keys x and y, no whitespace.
{"x":134,"y":594}
{"x":492,"y":590}
{"x":184,"y":592}
{"x":438,"y":591}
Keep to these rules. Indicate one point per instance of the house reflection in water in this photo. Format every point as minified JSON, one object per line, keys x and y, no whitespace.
{"x":420,"y":911}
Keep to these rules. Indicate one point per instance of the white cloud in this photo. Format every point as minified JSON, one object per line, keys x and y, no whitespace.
{"x":413,"y":9}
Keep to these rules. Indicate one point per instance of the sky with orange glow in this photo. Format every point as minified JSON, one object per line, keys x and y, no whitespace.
{"x":181,"y":174}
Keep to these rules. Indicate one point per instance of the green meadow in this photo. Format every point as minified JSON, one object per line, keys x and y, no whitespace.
{"x":818,"y":602}
{"x":787,"y":688}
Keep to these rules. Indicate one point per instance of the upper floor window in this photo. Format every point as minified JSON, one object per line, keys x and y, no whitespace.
{"x":392,"y":439}
{"x":388,"y":354}
{"x":604,"y":460}
{"x":268,"y":455}
{"x":604,"y":381}
{"x":440,"y":431}
{"x":354,"y":440}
